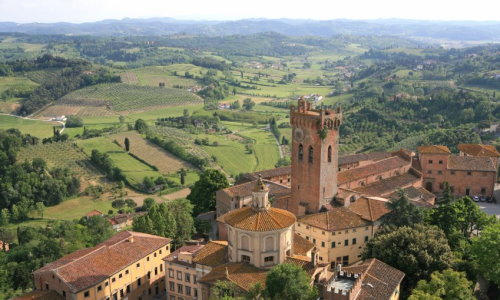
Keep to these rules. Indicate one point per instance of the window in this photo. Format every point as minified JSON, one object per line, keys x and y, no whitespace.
{"x":161,"y":268}
{"x":64,"y":294}
{"x":128,"y":289}
{"x":430,"y":161}
{"x":269,"y":259}
{"x":99,"y":288}
{"x":86,"y":294}
{"x":322,"y":244}
{"x":245,"y":258}
{"x":483,"y":190}
{"x":156,"y":270}
{"x":187,"y":277}
{"x":311,"y":154}
{"x":155,"y":254}
{"x":194,"y":279}
{"x":366,"y":228}
{"x":333,"y":244}
{"x":120,"y":275}
{"x":441,"y":185}
{"x":329,"y":153}
{"x":170,"y":273}
{"x":149,"y":275}
{"x":307,"y":238}
{"x":469,"y":173}
{"x":321,"y":258}
{"x":354,"y":241}
{"x":188,"y":290}
{"x":166,"y":247}
{"x":137,"y":265}
{"x":160,"y":251}
{"x":147,"y":258}
{"x":139,"y":282}
{"x":113,"y":279}
{"x":429,"y":171}
{"x":452,"y":172}
{"x":172,"y":297}
{"x":106,"y":283}
{"x":366,"y":239}
{"x":179,"y":288}
{"x":179,"y":275}
{"x":379,"y":178}
{"x":172,"y":286}
{"x":245,"y":242}
{"x":345,"y":260}
{"x":346,"y":243}
{"x":440,"y":162}
{"x":196,"y":292}
{"x":440,"y":172}
{"x":314,"y":241}
{"x":301,"y":152}
{"x":126,"y":271}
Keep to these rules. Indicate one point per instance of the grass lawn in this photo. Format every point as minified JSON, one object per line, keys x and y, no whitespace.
{"x":134,"y":170}
{"x":76,"y":208}
{"x":39,"y":129}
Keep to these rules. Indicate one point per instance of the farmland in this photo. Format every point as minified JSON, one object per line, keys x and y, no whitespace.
{"x":133,"y":169}
{"x":152,"y":76}
{"x":61,"y":155}
{"x":152,"y":154}
{"x":15,"y":83}
{"x":115,"y":99}
{"x":36,"y":128}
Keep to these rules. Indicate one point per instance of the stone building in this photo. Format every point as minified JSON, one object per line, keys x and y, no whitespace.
{"x":466,"y":174}
{"x":128,"y":265}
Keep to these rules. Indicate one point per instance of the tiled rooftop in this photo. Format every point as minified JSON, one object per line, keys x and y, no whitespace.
{"x":434,"y":149}
{"x":174,"y":256}
{"x":300,"y":245}
{"x":245,"y":189}
{"x":471,"y":163}
{"x":337,"y":218}
{"x":388,"y":185}
{"x":212,"y":254}
{"x":248,"y":218}
{"x":479,"y":150}
{"x":372,"y":169}
{"x":87,"y":267}
{"x":243,"y":275}
{"x":369,"y":209}
{"x":379,"y":281}
{"x":353,"y":158}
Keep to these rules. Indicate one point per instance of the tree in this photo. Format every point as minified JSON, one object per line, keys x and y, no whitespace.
{"x":403,"y":213}
{"x":141,"y":126}
{"x":127,"y":144}
{"x":445,"y":285}
{"x":148,"y":203}
{"x":224,"y":290}
{"x":4,"y":217}
{"x":447,"y":196}
{"x":289,"y":281}
{"x":182,"y":173}
{"x":160,"y":220}
{"x":248,"y":104}
{"x":486,"y":251}
{"x":202,"y":194}
{"x":121,"y":119}
{"x":182,"y":210}
{"x":40,"y":208}
{"x":418,"y":251}
{"x":74,"y":121}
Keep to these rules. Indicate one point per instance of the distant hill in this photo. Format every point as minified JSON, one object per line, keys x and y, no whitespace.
{"x":430,"y":30}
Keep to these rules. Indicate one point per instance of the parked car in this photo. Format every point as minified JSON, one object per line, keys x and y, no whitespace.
{"x":475,"y":198}
{"x":482,"y":199}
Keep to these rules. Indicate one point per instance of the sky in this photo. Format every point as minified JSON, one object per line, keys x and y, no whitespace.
{"x":78,"y":11}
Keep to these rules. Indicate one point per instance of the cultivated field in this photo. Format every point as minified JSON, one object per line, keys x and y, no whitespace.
{"x":22,"y":83}
{"x":119,"y":98}
{"x":61,"y":155}
{"x":134,"y":170}
{"x":152,"y":76}
{"x":39,"y":129}
{"x":149,"y":152}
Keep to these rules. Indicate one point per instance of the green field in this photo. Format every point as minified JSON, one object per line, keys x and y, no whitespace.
{"x":134,"y":170}
{"x":152,"y":76}
{"x":15,"y":83}
{"x":36,"y":128}
{"x":125,"y":97}
{"x":61,"y":155}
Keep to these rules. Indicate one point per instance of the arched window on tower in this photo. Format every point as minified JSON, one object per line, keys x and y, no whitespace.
{"x":329,"y":153}
{"x":311,"y":154}
{"x":301,"y":152}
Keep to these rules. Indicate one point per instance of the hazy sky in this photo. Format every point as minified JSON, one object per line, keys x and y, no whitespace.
{"x":93,"y":10}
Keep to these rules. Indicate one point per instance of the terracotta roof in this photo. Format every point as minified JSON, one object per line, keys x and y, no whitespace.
{"x":418,"y":196}
{"x":388,"y":185}
{"x":249,"y":218}
{"x":337,"y":218}
{"x":245,"y":189}
{"x":87,"y":267}
{"x":372,"y":169}
{"x":40,"y":295}
{"x":174,"y":256}
{"x":212,"y":254}
{"x":94,"y":213}
{"x":353,"y":158}
{"x":266,"y":174}
{"x":435,"y":149}
{"x":479,"y":150}
{"x":379,"y":281}
{"x":244,"y":275}
{"x":471,"y":163}
{"x":369,"y":209}
{"x":300,"y":245}
{"x":302,"y":261}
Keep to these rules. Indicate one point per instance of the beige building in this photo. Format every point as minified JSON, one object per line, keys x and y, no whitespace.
{"x":128,"y":265}
{"x":341,"y":233}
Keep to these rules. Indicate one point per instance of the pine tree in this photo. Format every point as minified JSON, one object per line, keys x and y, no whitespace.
{"x":127,"y":144}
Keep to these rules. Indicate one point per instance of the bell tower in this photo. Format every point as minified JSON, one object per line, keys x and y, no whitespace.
{"x":315,"y":136}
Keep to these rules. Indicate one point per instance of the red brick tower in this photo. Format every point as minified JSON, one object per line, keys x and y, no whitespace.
{"x":314,"y":156}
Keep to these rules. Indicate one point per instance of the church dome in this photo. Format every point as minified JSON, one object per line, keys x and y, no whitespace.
{"x":251,"y":219}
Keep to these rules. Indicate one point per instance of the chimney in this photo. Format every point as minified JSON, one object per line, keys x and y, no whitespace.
{"x":131,"y":239}
{"x":314,"y":260}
